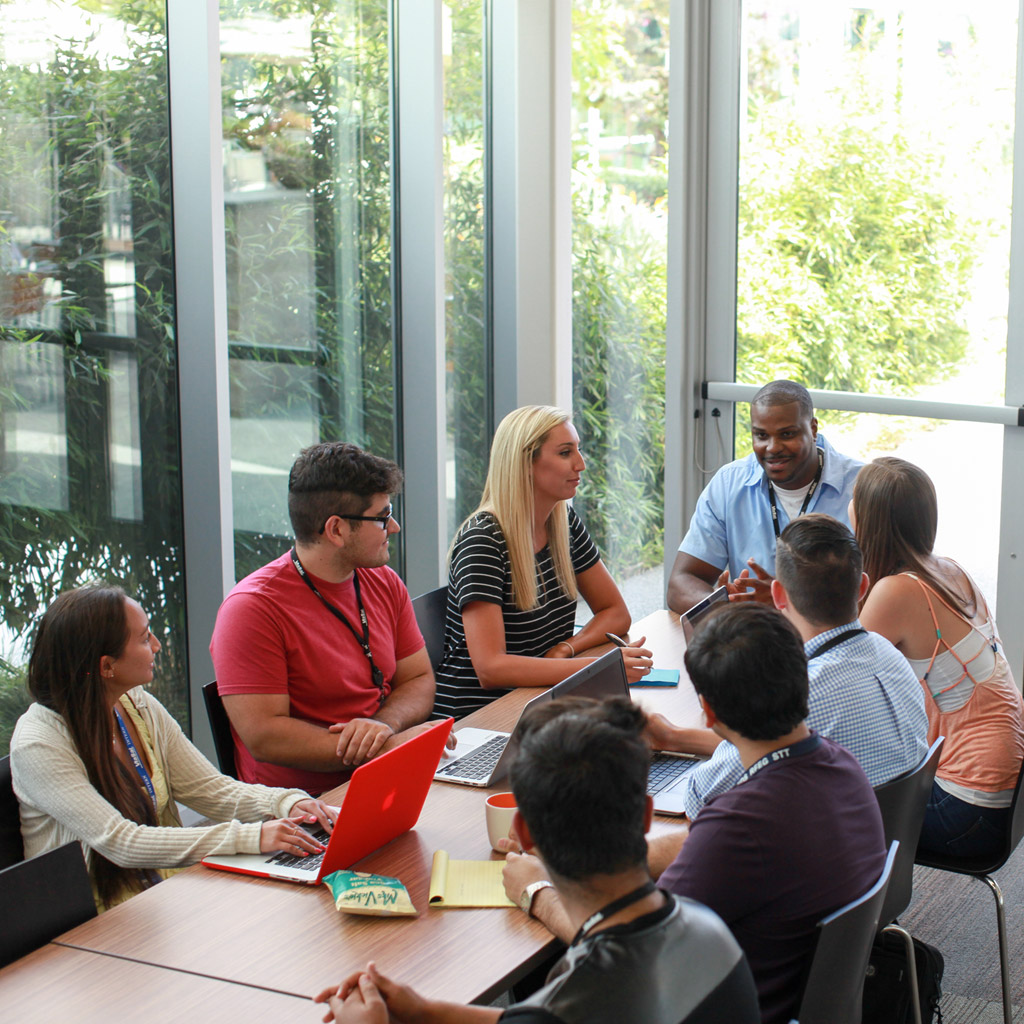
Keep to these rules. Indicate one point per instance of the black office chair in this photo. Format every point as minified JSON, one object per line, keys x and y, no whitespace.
{"x":902,"y":802}
{"x":982,"y":868}
{"x":223,"y":741}
{"x":430,"y":610}
{"x":835,"y":983}
{"x":11,"y":850}
{"x":41,"y":898}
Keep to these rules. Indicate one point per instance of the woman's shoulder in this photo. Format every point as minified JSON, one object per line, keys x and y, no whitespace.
{"x":37,"y":723}
{"x":480,"y":526}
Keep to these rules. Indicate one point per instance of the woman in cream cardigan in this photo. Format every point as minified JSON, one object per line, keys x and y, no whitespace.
{"x":99,"y":760}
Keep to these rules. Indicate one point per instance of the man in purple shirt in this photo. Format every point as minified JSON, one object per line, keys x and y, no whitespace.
{"x":800,"y":835}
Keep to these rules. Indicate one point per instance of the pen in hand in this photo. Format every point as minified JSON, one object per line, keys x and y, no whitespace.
{"x":617,"y":640}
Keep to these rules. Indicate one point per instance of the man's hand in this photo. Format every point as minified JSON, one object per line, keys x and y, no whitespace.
{"x":355,"y":1001}
{"x":752,"y":588}
{"x":368,"y":997}
{"x":659,"y":732}
{"x":361,"y":739}
{"x":520,"y":870}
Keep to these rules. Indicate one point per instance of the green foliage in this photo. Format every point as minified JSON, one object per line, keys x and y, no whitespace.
{"x":106,"y":140}
{"x":619,"y":382}
{"x":619,"y":279}
{"x":14,"y":700}
{"x":466,"y":327}
{"x":853,"y":268}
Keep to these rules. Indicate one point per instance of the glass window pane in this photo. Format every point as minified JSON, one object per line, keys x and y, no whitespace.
{"x":90,"y":472}
{"x":876,"y":162}
{"x":875,"y":193}
{"x":307,"y":178}
{"x":620,"y":118}
{"x":466,"y":312}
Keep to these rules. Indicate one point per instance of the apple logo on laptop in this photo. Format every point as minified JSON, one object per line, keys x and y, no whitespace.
{"x":389,"y":800}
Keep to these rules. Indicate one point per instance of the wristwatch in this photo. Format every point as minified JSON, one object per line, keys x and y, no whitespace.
{"x":528,"y":895}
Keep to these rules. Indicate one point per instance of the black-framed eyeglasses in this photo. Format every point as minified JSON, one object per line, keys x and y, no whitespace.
{"x":383,"y":519}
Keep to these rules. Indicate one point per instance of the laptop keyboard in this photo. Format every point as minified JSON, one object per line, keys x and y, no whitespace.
{"x":480,"y":763}
{"x":665,"y":769}
{"x":310,"y":863}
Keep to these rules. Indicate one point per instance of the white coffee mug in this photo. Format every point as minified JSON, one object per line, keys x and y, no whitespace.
{"x":500,"y":809}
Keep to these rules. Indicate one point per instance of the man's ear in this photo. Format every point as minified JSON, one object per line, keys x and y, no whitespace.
{"x":865,"y":582}
{"x":336,"y":531}
{"x":648,"y":813}
{"x":522,"y":831}
{"x":779,"y":596}
{"x":814,"y":426}
{"x":710,"y":718}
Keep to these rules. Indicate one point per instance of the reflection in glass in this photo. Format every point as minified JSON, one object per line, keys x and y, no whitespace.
{"x":307,"y":177}
{"x":123,"y":432}
{"x":88,"y":394}
{"x":620,"y":118}
{"x":33,"y":433}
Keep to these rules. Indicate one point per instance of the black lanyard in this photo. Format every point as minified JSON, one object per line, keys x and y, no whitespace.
{"x":835,"y":641}
{"x":807,"y":496}
{"x":805,"y":746}
{"x":613,"y":908}
{"x":362,"y":639}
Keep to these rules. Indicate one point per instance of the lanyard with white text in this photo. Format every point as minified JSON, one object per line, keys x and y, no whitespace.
{"x":807,"y":497}
{"x":364,"y":640}
{"x":136,"y":760}
{"x":803,"y":747}
{"x":613,"y":908}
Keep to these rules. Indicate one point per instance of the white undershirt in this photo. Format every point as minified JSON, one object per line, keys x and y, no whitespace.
{"x":792,"y":500}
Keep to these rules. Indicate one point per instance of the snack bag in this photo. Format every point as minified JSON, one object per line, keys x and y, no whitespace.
{"x":356,"y":892}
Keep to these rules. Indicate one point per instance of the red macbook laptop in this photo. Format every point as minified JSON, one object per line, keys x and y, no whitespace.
{"x":384,"y":799}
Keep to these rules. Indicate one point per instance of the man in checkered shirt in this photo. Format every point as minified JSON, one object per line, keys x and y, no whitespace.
{"x":863,"y":693}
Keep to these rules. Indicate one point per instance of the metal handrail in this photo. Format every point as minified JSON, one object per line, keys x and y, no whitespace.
{"x":849,"y":401}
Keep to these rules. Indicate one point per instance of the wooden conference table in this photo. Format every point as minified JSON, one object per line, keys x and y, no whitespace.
{"x":291,"y":940}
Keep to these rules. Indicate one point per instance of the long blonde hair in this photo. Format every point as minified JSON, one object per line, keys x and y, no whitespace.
{"x":508,"y":496}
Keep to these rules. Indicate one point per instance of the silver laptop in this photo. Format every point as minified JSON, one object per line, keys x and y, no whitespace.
{"x":692,"y":616}
{"x":483,"y":756}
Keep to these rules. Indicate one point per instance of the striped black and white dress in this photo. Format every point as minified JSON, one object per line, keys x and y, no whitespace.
{"x":480,"y":571}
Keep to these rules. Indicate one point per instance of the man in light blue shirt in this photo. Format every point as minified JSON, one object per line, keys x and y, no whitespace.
{"x":741,"y":512}
{"x":863,"y":693}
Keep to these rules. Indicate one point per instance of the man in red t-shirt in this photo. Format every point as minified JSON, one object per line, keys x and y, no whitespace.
{"x":319,"y":660}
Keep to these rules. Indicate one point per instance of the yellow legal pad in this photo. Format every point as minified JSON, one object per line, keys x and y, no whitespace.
{"x":467,"y":883}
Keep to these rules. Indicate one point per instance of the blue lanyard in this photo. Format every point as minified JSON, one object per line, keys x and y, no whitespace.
{"x":136,"y":760}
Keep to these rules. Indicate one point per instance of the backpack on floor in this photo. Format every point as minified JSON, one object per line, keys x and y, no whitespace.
{"x":887,"y":998}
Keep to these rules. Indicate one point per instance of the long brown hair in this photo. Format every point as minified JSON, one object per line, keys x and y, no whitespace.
{"x":79,"y":628}
{"x":896,"y":515}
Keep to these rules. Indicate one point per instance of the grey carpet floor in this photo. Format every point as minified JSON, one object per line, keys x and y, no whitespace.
{"x":957,"y":914}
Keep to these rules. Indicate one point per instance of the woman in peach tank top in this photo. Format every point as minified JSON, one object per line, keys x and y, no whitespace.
{"x":933,"y":612}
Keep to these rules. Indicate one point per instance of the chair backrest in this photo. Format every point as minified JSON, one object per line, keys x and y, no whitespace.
{"x":1016,"y":829}
{"x":902,"y":802}
{"x":835,"y":984}
{"x":11,"y":850}
{"x":41,"y":898}
{"x":430,"y":610}
{"x":220,"y":726}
